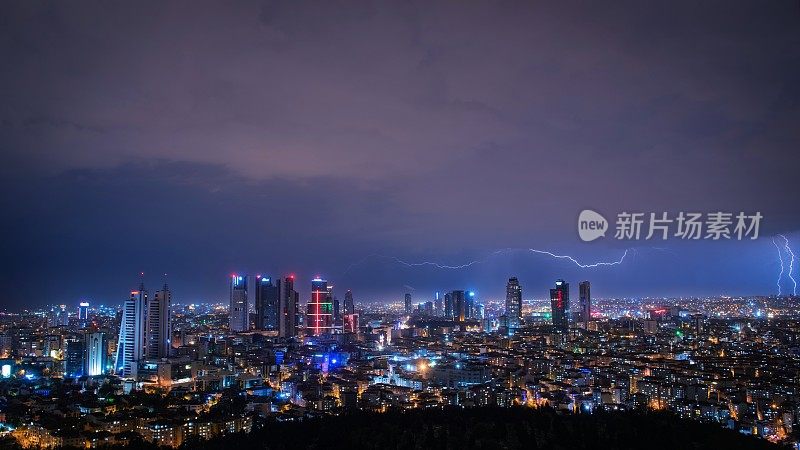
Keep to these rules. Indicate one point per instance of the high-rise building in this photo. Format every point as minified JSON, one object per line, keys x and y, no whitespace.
{"x":131,"y":342}
{"x":239,"y":314}
{"x":480,"y":311}
{"x":349,"y":306}
{"x":334,"y":302}
{"x":319,"y":312}
{"x":83,"y":314}
{"x":96,"y":353}
{"x":157,"y":325}
{"x":408,"y":306}
{"x":267,"y":303}
{"x":559,"y":303}
{"x":459,"y":305}
{"x":73,"y":364}
{"x":337,"y":311}
{"x":437,"y":305}
{"x":585,"y":299}
{"x":469,"y":305}
{"x":52,"y":317}
{"x":289,"y":307}
{"x":448,"y":305}
{"x":513,"y":303}
{"x":59,"y":316}
{"x":350,"y":318}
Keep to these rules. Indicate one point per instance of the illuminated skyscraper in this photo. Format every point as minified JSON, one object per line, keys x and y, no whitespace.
{"x":559,"y":303}
{"x":319,"y":313}
{"x":437,"y":305}
{"x":96,"y":354}
{"x":83,"y":314}
{"x":290,"y":308}
{"x":513,"y":303}
{"x":469,"y":305}
{"x":59,"y":316}
{"x":585,"y":299}
{"x":459,"y":305}
{"x":408,"y":306}
{"x":448,"y":305}
{"x":157,"y":326}
{"x":131,"y":342}
{"x":239,"y":314}
{"x":267,"y":303}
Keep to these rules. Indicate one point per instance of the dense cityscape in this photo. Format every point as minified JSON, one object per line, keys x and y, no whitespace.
{"x":157,"y":370}
{"x":399,"y":225}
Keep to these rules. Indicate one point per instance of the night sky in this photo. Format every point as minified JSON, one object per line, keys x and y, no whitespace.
{"x":201,"y":139}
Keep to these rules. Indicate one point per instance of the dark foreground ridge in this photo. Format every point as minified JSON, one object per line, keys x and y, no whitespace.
{"x":486,"y":428}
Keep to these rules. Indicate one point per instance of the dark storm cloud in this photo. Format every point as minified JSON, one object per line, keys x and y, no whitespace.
{"x":199,"y":138}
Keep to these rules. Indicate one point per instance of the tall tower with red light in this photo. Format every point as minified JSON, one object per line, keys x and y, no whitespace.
{"x":559,"y":302}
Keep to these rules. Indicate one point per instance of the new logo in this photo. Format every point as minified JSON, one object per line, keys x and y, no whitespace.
{"x":591,"y":225}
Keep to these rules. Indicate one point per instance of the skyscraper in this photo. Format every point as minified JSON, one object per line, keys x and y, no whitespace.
{"x":585,"y":299}
{"x":331,"y":299}
{"x":337,"y":311}
{"x":267,"y":303}
{"x":448,"y":305}
{"x":157,"y":324}
{"x":459,"y":305}
{"x":96,"y":353}
{"x":289,"y":308}
{"x":469,"y":305}
{"x":73,"y":365}
{"x":408,"y":306}
{"x":437,"y":305}
{"x":349,"y":307}
{"x":59,"y":316}
{"x":559,"y":303}
{"x":319,"y":313}
{"x":350,"y":319}
{"x":239,"y":314}
{"x":480,"y":311}
{"x":83,"y":314}
{"x":131,"y":342}
{"x":513,"y":303}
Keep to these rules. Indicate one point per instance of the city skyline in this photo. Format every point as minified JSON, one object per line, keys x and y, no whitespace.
{"x":436,"y":293}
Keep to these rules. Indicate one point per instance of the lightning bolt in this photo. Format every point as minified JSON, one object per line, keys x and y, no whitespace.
{"x":791,"y":263}
{"x":780,"y":258}
{"x":433,"y":264}
{"x":577,"y":263}
{"x":480,"y":261}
